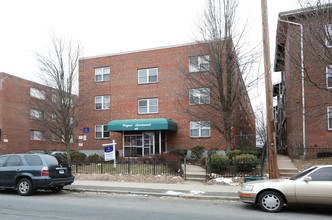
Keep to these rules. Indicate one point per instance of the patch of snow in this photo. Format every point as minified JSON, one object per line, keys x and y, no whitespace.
{"x":196,"y":192}
{"x":224,"y":180}
{"x":173,"y":193}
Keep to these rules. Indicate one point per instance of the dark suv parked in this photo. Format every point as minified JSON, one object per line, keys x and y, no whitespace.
{"x":28,"y":172}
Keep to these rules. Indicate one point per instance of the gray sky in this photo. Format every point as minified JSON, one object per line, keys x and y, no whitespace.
{"x":111,"y":26}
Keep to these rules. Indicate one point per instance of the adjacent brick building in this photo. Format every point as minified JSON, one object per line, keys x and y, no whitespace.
{"x":141,"y":98}
{"x":304,"y":111}
{"x":19,"y":131}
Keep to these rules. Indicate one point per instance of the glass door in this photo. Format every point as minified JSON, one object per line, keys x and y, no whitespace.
{"x":148,"y":143}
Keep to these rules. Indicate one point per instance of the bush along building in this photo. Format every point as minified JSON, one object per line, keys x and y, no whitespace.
{"x":144,"y":100}
{"x":20,"y":131}
{"x":303,"y":115}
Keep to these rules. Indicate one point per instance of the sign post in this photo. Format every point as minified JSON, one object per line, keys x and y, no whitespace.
{"x":109,"y":152}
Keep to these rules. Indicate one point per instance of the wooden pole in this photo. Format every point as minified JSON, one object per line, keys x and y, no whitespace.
{"x":273,"y":168}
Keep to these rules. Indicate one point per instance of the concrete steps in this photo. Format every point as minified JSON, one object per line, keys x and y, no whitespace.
{"x":195,"y":173}
{"x":285,"y":167}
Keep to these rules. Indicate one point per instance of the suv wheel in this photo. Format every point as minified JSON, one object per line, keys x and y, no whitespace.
{"x":24,"y":187}
{"x":57,"y":188}
{"x":271,"y":201}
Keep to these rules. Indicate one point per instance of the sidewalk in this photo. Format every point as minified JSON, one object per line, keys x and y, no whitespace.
{"x":187,"y":189}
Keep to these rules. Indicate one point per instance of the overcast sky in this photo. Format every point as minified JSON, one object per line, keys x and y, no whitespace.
{"x":111,"y":26}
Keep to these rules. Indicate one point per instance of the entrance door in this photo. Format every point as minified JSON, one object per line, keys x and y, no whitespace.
{"x":148,"y":138}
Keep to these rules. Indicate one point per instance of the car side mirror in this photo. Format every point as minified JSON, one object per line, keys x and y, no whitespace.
{"x":307,"y":179}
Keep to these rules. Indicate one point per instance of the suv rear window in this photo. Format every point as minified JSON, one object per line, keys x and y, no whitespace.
{"x":51,"y":161}
{"x":33,"y":160}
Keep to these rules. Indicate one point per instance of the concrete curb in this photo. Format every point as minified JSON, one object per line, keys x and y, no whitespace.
{"x":185,"y":196}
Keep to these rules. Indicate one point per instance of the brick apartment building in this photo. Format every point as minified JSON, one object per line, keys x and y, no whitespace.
{"x":139,"y":99}
{"x":303,"y":115}
{"x":19,"y":133}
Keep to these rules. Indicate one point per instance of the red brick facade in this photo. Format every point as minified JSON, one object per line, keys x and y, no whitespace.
{"x":317,"y":97}
{"x":124,"y":92}
{"x":15,"y":122}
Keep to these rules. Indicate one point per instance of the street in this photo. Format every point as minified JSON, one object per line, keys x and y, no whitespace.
{"x":67,"y":205}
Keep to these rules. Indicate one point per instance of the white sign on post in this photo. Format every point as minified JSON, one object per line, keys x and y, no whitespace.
{"x":109,"y":152}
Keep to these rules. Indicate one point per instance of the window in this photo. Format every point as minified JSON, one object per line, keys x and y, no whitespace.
{"x":199,"y":129}
{"x":53,"y":137}
{"x":54,"y":98}
{"x":36,"y":93}
{"x":147,"y":106}
{"x":101,"y":132}
{"x":329,"y":76}
{"x":54,"y":117}
{"x":323,"y":174}
{"x":199,"y":96}
{"x":36,"y":114}
{"x":14,"y":161}
{"x":102,"y":74}
{"x":67,"y":101}
{"x":147,"y":75}
{"x":33,"y":160}
{"x":71,"y":138}
{"x":199,"y":63}
{"x":37,"y":135}
{"x":102,"y":102}
{"x":329,"y":117}
{"x":328,"y":32}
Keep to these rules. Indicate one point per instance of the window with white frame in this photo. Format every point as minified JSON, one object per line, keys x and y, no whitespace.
{"x":37,"y":135}
{"x":147,"y":106}
{"x":54,"y":117}
{"x":199,"y":129}
{"x":71,"y":139}
{"x":102,"y":102}
{"x":147,"y":75}
{"x":36,"y":114}
{"x":102,"y":74}
{"x":101,"y":132}
{"x":37,"y":93}
{"x":199,"y":96}
{"x":328,"y":33}
{"x":329,"y":76}
{"x":199,"y":63}
{"x":54,"y":98}
{"x":329,"y":117}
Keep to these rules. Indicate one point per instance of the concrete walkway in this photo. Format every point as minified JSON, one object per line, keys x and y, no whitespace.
{"x":285,"y":166}
{"x":187,"y":189}
{"x":194,"y":173}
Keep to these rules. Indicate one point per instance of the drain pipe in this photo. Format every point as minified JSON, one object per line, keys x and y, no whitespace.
{"x":302,"y":73}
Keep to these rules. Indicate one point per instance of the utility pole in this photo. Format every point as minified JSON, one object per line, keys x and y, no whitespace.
{"x":268,"y":90}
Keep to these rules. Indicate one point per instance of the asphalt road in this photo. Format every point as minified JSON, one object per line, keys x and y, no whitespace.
{"x":68,"y":205}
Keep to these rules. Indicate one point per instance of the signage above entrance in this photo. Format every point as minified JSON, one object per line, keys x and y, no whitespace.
{"x":142,"y":125}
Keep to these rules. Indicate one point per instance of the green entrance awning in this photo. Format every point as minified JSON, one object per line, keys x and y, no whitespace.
{"x":142,"y":125}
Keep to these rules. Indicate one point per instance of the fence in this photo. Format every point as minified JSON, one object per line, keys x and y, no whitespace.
{"x":144,"y":166}
{"x":311,"y":152}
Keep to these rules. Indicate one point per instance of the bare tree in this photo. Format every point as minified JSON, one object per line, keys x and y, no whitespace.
{"x":220,"y":70}
{"x":261,"y":126}
{"x":58,"y":70}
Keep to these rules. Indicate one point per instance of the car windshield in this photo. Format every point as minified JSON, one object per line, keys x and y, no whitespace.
{"x":301,"y":174}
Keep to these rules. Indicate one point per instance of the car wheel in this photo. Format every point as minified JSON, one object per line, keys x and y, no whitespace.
{"x":271,"y":201}
{"x":57,"y":188}
{"x":24,"y":187}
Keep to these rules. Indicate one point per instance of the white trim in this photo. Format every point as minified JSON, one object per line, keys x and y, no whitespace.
{"x":148,"y":106}
{"x":140,"y":50}
{"x":328,"y":117}
{"x":147,"y":76}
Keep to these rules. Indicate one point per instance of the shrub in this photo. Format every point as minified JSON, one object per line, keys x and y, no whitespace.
{"x":212,"y":151}
{"x":233,"y":153}
{"x":218,"y":162}
{"x":257,"y":151}
{"x":77,"y":156}
{"x":246,"y":162}
{"x":94,"y":157}
{"x":197,"y":152}
{"x":180,"y":152}
{"x":324,"y":154}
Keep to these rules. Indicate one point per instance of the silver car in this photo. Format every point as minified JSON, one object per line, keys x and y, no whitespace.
{"x":311,"y":186}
